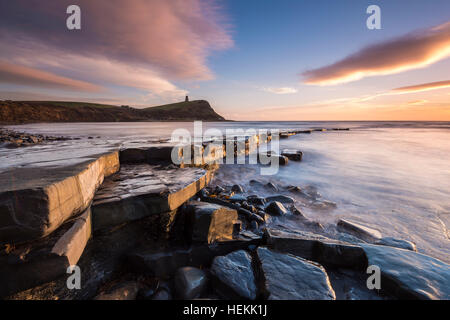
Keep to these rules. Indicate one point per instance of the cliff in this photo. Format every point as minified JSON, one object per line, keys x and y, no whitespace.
{"x":17,"y":112}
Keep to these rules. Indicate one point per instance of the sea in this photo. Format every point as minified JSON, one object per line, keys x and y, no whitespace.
{"x":390,"y":176}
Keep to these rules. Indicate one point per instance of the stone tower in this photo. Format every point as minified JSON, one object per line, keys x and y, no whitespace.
{"x":187,"y":99}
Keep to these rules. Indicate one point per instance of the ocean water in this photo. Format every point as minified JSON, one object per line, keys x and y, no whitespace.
{"x":392,"y":176}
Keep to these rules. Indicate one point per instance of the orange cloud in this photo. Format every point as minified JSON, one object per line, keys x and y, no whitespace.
{"x":10,"y":73}
{"x":412,"y":51}
{"x":424,"y":87}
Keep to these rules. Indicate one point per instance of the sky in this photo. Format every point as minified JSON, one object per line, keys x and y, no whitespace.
{"x":251,"y":59}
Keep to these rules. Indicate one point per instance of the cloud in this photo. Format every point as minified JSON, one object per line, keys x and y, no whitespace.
{"x":15,"y":74}
{"x":146,"y":45}
{"x":417,"y":102}
{"x":173,"y":37}
{"x":282,"y":90}
{"x":423,"y":87}
{"x":411,"y":51}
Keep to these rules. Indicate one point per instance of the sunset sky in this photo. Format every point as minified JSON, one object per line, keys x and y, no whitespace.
{"x":251,"y":59}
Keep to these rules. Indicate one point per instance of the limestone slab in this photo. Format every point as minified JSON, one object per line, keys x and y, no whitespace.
{"x":141,"y":190}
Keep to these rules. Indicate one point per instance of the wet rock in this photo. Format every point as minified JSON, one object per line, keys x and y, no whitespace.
{"x":123,"y":291}
{"x":271,"y":186}
{"x":276,"y":208}
{"x":317,"y":248}
{"x":280,"y":198}
{"x":190,"y":283}
{"x":162,"y":294}
{"x":237,"y":198}
{"x":254,"y":226}
{"x":295,"y":189}
{"x":294,"y":155}
{"x":398,"y":243}
{"x":138,"y":191}
{"x":359,"y":230}
{"x":219,"y":190}
{"x":254,"y":199}
{"x":288,"y":277}
{"x":256,"y":183}
{"x":44,"y":260}
{"x":51,"y":194}
{"x":410,"y":275}
{"x":208,"y":222}
{"x":250,"y":216}
{"x":234,"y":276}
{"x":237,"y":188}
{"x":158,"y":263}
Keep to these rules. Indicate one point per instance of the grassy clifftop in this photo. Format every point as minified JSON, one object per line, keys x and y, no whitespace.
{"x":16,"y":112}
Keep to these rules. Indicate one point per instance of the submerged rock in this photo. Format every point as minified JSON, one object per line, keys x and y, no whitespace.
{"x":359,"y":230}
{"x":291,"y":154}
{"x":234,"y":274}
{"x":237,"y":188}
{"x":288,"y":277}
{"x":398,"y":243}
{"x":190,"y":283}
{"x":407,"y":274}
{"x":280,"y":198}
{"x":276,"y":208}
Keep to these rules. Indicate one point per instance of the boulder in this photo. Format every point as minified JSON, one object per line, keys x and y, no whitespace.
{"x":398,"y":243}
{"x":287,"y":277}
{"x":234,"y":276}
{"x":237,"y":188}
{"x":206,"y":222}
{"x":294,"y":155}
{"x":280,"y":198}
{"x":275,"y":208}
{"x":363,"y":232}
{"x":250,"y":216}
{"x":123,"y":291}
{"x":315,"y":247}
{"x":190,"y":283}
{"x":410,"y":275}
{"x":158,"y":263}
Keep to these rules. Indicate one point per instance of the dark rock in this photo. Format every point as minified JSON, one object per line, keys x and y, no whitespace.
{"x":256,"y":183}
{"x":254,"y":226}
{"x":295,"y":189}
{"x":398,"y":243}
{"x":288,"y":277}
{"x":190,"y":283}
{"x":280,"y":198}
{"x":294,"y":155}
{"x":276,"y":208}
{"x":219,"y":190}
{"x":410,"y":275}
{"x":363,"y":232}
{"x":317,"y":248}
{"x":234,"y":276}
{"x":250,"y":216}
{"x":157,"y":262}
{"x":237,"y":198}
{"x":123,"y":291}
{"x":162,"y":294}
{"x":271,"y":186}
{"x":206,"y":222}
{"x":256,"y":200}
{"x":237,"y":188}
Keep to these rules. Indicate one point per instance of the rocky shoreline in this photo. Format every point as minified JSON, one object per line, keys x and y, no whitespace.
{"x":14,"y":139}
{"x":140,"y":227}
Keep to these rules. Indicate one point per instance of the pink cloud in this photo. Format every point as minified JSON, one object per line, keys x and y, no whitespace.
{"x":15,"y":74}
{"x":173,"y":38}
{"x":412,"y":51}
